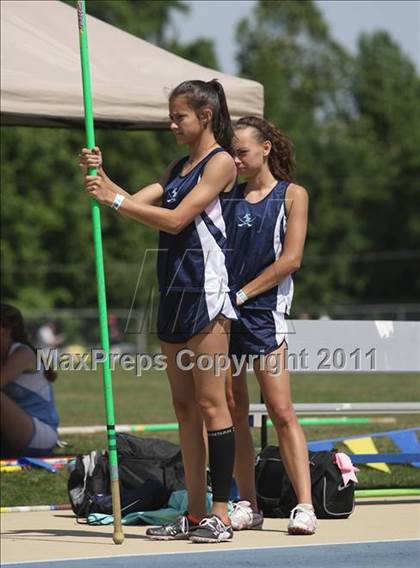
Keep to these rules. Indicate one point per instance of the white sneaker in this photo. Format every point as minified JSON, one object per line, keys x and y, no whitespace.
{"x":302,"y":521}
{"x":244,"y":518}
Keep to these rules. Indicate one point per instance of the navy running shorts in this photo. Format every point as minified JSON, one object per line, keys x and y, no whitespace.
{"x":257,"y":331}
{"x":182,"y":315}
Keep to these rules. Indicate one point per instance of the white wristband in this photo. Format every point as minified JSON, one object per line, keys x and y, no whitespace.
{"x":118,"y":199}
{"x":241,"y":296}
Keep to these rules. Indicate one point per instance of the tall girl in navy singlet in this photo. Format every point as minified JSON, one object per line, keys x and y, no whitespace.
{"x":192,"y":265}
{"x":195,"y":306}
{"x":267,"y":233}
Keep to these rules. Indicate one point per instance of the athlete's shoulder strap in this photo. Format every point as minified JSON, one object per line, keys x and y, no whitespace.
{"x":281,"y":188}
{"x":210,"y":155}
{"x":14,"y":346}
{"x":207,"y":159}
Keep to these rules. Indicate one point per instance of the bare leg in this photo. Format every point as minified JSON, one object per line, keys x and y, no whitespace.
{"x":292,"y":443}
{"x":210,"y":389}
{"x":190,"y":430}
{"x":15,"y":425}
{"x":238,"y":400}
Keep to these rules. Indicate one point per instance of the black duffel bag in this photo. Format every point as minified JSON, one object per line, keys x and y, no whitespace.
{"x":140,"y":460}
{"x":276,"y":496}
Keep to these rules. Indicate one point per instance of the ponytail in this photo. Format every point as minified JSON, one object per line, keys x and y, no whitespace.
{"x":281,"y":159}
{"x":222,"y":126}
{"x":11,"y":318}
{"x":201,"y":94}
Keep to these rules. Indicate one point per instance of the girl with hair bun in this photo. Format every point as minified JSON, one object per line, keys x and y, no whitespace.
{"x":267,"y":234}
{"x":28,"y":416}
{"x":195,"y":304}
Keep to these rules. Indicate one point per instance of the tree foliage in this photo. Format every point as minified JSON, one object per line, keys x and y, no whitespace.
{"x":147,"y":19}
{"x":355,"y":124}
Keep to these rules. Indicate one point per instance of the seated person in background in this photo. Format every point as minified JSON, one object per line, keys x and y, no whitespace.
{"x":28,"y":417}
{"x":47,"y":336}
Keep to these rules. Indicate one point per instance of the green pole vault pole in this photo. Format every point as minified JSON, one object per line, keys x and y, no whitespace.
{"x":118,"y":535}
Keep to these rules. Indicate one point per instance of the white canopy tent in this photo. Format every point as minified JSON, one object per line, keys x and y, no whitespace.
{"x":131,"y":79}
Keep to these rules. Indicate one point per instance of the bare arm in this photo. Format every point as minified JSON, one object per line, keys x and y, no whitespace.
{"x":220,"y":173}
{"x":290,"y":259}
{"x":152,"y":194}
{"x":149,"y":195}
{"x":20,"y":361}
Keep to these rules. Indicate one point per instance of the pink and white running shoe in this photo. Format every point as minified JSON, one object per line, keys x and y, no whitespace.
{"x":244,"y":518}
{"x":302,"y":520}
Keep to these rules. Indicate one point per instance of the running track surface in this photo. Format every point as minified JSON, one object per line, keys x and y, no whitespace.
{"x":403,"y":553}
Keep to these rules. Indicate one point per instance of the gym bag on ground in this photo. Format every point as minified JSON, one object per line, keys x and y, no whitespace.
{"x":332,"y":499}
{"x":139,"y":460}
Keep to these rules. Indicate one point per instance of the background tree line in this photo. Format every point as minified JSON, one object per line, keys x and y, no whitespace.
{"x":355,"y":123}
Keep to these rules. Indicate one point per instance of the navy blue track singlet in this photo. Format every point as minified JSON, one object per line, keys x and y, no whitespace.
{"x":256,"y":233}
{"x":192,"y":265}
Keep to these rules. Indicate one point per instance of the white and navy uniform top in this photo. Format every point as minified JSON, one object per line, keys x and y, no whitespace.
{"x":34,"y":394}
{"x":256,"y":234}
{"x":192,"y":265}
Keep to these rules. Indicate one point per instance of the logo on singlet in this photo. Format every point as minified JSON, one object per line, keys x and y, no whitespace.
{"x":172,"y":195}
{"x":246,"y":220}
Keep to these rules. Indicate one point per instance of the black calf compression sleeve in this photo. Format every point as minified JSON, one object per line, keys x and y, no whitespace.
{"x":221,"y":459}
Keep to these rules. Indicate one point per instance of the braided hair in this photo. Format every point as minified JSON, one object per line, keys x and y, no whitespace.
{"x":281,"y":159}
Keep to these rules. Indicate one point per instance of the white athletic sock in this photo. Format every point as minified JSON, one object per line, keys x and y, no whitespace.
{"x":306,"y":506}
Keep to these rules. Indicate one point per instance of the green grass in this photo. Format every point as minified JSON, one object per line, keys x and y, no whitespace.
{"x":146,"y":399}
